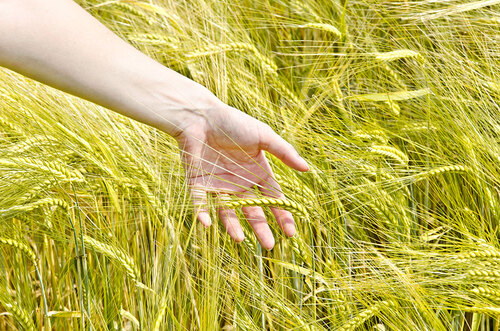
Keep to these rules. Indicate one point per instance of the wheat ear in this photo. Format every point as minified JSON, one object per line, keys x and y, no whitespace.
{"x":11,"y":127}
{"x":366,"y":314}
{"x":487,"y":292}
{"x":21,"y":246}
{"x":281,"y":203}
{"x":24,"y":248}
{"x":40,"y":203}
{"x":296,"y":186}
{"x":118,"y":255}
{"x":418,"y":127}
{"x":59,"y":171}
{"x":391,"y":152}
{"x":239,"y":47}
{"x":394,"y":107}
{"x":31,"y":142}
{"x":130,"y":317}
{"x":133,"y":11}
{"x":19,"y":314}
{"x":378,"y":135}
{"x":324,"y":27}
{"x":488,"y":275}
{"x":129,"y":158}
{"x":302,"y":7}
{"x":487,"y":253}
{"x":153,"y":38}
{"x":398,"y":54}
{"x":446,"y":169}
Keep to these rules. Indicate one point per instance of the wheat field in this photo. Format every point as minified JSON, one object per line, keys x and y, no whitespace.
{"x":394,"y":104}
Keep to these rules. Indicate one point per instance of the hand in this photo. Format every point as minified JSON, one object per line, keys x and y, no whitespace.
{"x":222,"y":147}
{"x":223,"y":152}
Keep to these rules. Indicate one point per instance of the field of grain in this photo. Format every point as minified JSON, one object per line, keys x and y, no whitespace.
{"x":394,"y":104}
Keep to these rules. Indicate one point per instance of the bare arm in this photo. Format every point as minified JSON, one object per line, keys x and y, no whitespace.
{"x":58,"y":43}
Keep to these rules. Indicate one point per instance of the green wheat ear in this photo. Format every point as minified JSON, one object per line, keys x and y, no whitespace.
{"x":18,"y":312}
{"x":22,"y":247}
{"x":281,"y":203}
{"x":393,"y":104}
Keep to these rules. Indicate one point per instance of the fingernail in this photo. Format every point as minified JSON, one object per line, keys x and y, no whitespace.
{"x":204,"y":219}
{"x":290,"y":229}
{"x":240,"y":237}
{"x":305,"y":162}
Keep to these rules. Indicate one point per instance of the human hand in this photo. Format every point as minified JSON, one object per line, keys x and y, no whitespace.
{"x":223,"y":153}
{"x":222,"y":148}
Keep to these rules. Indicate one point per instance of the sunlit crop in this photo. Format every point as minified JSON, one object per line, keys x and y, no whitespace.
{"x":395,"y":106}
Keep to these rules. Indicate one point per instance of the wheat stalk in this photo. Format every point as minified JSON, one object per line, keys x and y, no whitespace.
{"x":160,"y":316}
{"x":483,"y":310}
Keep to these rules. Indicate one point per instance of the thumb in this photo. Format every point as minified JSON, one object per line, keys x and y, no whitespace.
{"x":270,"y":141}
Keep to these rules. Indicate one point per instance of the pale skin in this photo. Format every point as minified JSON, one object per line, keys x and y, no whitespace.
{"x":58,"y":43}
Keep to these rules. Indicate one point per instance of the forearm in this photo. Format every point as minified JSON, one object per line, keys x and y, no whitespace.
{"x":57,"y":43}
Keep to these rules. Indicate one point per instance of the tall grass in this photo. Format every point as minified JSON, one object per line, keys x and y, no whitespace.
{"x":394,"y":104}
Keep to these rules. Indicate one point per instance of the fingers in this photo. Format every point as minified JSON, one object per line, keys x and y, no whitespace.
{"x":284,"y":218}
{"x":204,"y":218}
{"x":230,"y":221}
{"x":255,"y":216}
{"x":199,"y":199}
{"x":274,"y":144}
{"x":285,"y":221}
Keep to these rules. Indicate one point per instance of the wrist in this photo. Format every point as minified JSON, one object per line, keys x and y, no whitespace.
{"x":174,"y":102}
